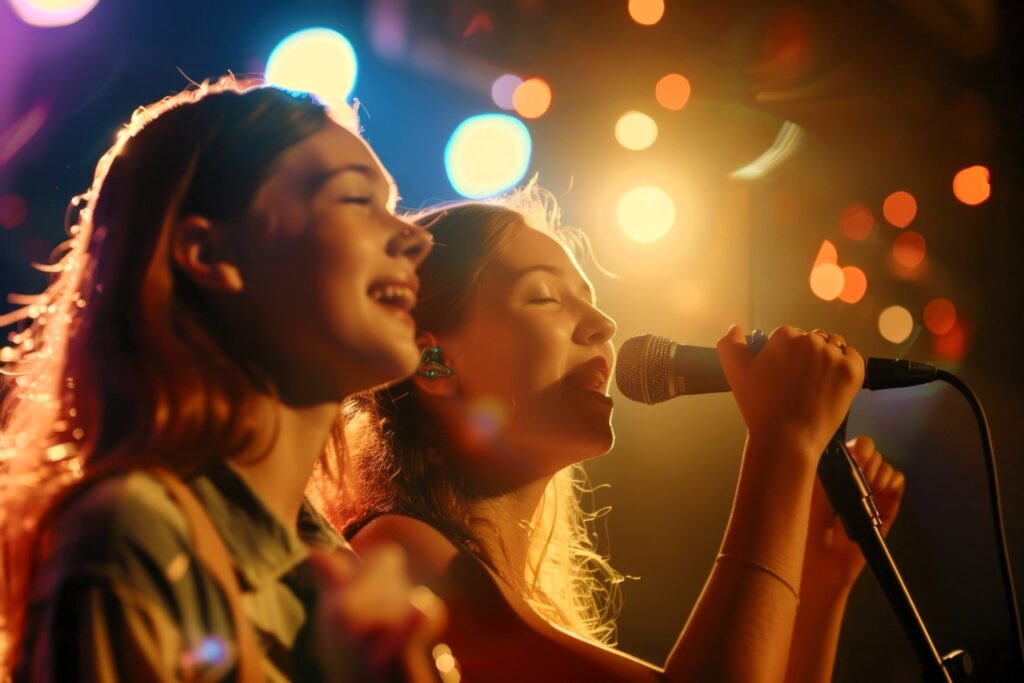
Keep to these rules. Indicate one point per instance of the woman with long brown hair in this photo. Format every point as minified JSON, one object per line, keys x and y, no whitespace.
{"x":472,"y":466}
{"x":233,"y":273}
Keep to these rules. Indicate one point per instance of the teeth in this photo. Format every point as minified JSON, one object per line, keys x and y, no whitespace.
{"x":398,"y":294}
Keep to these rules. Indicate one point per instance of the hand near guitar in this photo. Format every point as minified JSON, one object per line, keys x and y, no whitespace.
{"x":372,"y":623}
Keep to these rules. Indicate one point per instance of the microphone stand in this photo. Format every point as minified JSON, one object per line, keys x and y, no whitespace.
{"x":850,"y":496}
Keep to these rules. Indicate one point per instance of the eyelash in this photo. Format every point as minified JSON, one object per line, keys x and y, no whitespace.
{"x":355,"y":200}
{"x":545,"y":300}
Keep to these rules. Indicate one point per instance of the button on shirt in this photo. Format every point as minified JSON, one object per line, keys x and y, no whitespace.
{"x":122,"y":596}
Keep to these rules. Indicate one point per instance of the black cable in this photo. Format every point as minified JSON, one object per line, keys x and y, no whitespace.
{"x":994,"y":499}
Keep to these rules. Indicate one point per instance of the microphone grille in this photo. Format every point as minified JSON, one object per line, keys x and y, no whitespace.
{"x":643,"y":371}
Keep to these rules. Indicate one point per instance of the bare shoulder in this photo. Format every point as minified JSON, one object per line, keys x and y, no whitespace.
{"x":430,"y":553}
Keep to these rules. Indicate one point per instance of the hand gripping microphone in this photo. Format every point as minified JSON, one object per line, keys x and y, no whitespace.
{"x":652,"y":369}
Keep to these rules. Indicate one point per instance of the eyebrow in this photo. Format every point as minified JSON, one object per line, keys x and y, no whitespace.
{"x":554,"y":270}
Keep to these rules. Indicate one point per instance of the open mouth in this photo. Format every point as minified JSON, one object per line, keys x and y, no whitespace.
{"x":394,"y":294}
{"x":591,"y":376}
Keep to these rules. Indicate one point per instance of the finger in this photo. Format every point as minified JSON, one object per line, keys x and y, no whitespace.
{"x":854,"y":366}
{"x":861,"y":447}
{"x":880,"y":482}
{"x":734,"y":354}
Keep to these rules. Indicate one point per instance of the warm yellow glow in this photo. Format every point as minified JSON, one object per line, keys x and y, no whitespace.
{"x":827,"y":281}
{"x":532,"y":98}
{"x":855,"y":285}
{"x":971,"y":185}
{"x":895,"y":324}
{"x":487,"y":154}
{"x":900,"y":208}
{"x":635,"y":130}
{"x":646,"y":213}
{"x":940,"y":316}
{"x":672,"y":91}
{"x":909,"y":249}
{"x":646,"y":12}
{"x":316,"y":60}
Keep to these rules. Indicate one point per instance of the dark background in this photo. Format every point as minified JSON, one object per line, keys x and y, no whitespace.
{"x":890,"y":95}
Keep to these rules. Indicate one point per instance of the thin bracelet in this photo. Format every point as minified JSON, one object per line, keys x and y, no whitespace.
{"x":766,"y":570}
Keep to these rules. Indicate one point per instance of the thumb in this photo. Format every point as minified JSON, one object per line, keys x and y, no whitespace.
{"x":734,"y":355}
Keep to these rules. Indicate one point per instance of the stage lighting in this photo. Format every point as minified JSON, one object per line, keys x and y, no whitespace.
{"x":646,"y":12}
{"x":52,"y":13}
{"x":896,"y":324}
{"x":636,"y":131}
{"x":900,"y":208}
{"x":646,"y":213}
{"x":503,"y":89}
{"x":487,"y":154}
{"x":672,"y":91}
{"x":855,"y":285}
{"x":532,"y":98}
{"x":909,"y":249}
{"x":827,"y":281}
{"x":940,"y":316}
{"x":971,"y":185}
{"x":316,"y":60}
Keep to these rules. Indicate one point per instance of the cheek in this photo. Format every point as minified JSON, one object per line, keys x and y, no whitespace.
{"x":515,"y":356}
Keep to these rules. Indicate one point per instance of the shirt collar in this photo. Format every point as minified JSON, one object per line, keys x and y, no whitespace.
{"x":261,"y":546}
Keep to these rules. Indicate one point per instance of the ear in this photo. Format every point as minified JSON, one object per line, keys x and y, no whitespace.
{"x":197,"y":247}
{"x":441,"y":385}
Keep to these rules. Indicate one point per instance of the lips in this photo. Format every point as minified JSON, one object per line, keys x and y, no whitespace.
{"x":590,"y":376}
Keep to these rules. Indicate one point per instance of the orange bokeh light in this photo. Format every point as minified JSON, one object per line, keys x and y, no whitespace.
{"x":532,"y":98}
{"x":646,"y":12}
{"x":900,"y":208}
{"x":971,"y":185}
{"x":952,"y":345}
{"x":909,"y":249}
{"x":672,"y":91}
{"x":827,"y":254}
{"x":856,"y":221}
{"x":940,"y":316}
{"x":827,"y":281}
{"x":855,"y":285}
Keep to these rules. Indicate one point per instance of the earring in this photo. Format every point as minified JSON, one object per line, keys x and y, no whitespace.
{"x":432,"y":364}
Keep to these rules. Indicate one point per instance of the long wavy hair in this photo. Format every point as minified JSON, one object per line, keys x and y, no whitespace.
{"x":119,"y":362}
{"x":396,"y":459}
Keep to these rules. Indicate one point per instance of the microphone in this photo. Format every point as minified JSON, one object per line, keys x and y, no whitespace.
{"x":651,"y":369}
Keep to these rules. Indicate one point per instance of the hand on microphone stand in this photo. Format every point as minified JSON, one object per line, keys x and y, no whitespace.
{"x":832,"y":563}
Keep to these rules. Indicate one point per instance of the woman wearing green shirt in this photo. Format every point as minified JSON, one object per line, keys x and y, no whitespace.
{"x":233,"y":273}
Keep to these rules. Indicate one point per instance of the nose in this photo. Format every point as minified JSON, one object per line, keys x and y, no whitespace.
{"x":411,"y":242}
{"x":595,"y":328}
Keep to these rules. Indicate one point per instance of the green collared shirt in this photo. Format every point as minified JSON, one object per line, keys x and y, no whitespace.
{"x":122,"y":596}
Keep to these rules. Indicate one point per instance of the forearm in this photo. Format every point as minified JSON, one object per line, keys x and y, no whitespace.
{"x":816,"y":633}
{"x":742,"y":624}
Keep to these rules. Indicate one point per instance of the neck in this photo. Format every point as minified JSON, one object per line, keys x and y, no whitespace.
{"x":504,"y":527}
{"x":280,"y":463}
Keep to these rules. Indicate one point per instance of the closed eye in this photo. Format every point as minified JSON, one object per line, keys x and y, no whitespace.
{"x":545,"y":300}
{"x":355,"y":200}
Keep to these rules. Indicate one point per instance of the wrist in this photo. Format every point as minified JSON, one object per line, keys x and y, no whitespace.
{"x":782,"y":445}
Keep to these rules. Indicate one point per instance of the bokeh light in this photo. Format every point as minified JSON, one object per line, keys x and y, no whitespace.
{"x":971,"y":185}
{"x":316,"y":60}
{"x":896,"y":324}
{"x":503,"y":89}
{"x":646,"y":12}
{"x":900,"y":208}
{"x":939,"y":316}
{"x":646,"y":213}
{"x":52,"y":13}
{"x":827,"y":281}
{"x":13,"y":211}
{"x":855,"y":285}
{"x":827,"y":254}
{"x":672,"y":91}
{"x":856,"y":221}
{"x":487,"y":154}
{"x":635,"y":130}
{"x":951,"y":346}
{"x":532,"y":98}
{"x":909,"y":249}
